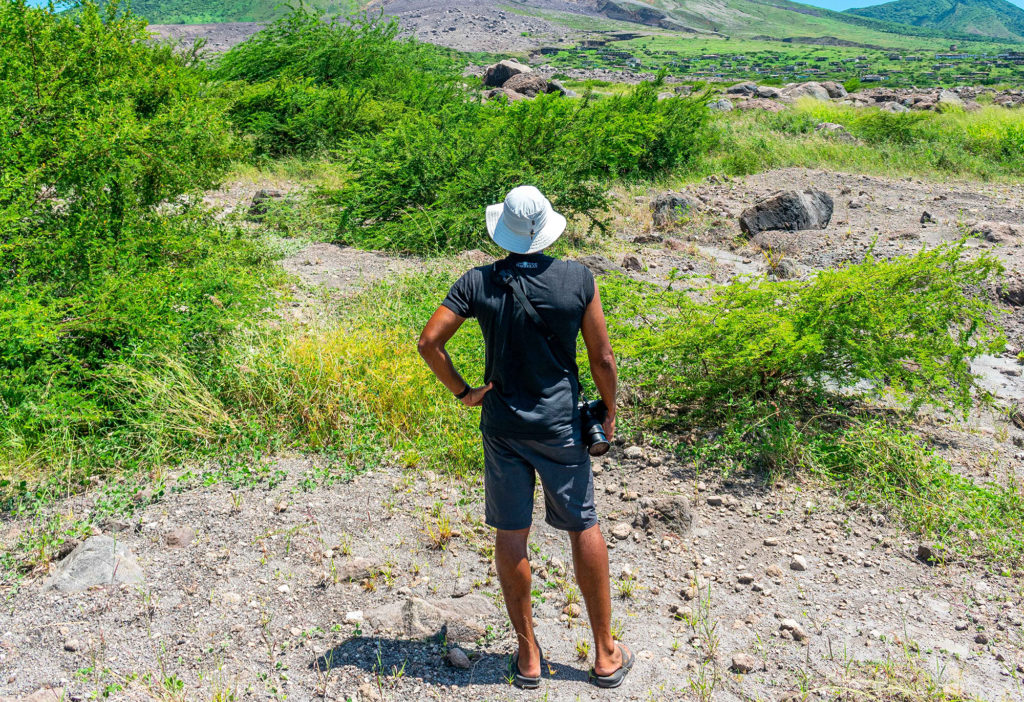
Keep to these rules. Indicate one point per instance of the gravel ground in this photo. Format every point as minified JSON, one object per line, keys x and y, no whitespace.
{"x":470,"y":25}
{"x":219,"y":37}
{"x":249,"y":605}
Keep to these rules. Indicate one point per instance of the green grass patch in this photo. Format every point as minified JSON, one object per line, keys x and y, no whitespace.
{"x":987,"y":144}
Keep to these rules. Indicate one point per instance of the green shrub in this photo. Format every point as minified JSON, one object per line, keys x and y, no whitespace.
{"x":314,"y":83}
{"x":426,"y":155}
{"x":792,"y":122}
{"x":422,"y":185}
{"x":287,"y":117}
{"x":797,"y":376}
{"x":903,"y":329}
{"x":852,"y":85}
{"x":879,"y":127}
{"x":104,"y":140}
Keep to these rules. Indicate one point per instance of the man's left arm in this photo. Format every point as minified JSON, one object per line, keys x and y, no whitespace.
{"x":442,"y":326}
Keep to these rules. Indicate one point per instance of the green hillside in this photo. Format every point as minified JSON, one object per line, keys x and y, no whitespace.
{"x":200,"y":12}
{"x":987,"y":18}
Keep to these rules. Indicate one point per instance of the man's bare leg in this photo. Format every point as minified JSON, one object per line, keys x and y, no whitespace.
{"x":513,"y":566}
{"x":590,"y":561}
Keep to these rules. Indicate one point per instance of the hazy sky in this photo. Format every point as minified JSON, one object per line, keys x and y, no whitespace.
{"x":846,"y":4}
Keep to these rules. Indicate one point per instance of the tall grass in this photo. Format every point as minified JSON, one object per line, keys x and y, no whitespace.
{"x":320,"y":386}
{"x":986,"y":143}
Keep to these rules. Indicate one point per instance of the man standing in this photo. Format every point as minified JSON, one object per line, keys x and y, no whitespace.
{"x":530,"y":418}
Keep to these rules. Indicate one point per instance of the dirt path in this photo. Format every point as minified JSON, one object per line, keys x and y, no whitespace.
{"x":247,"y":592}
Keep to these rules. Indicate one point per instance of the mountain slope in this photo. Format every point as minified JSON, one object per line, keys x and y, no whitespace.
{"x":735,"y":18}
{"x":777,"y":18}
{"x":986,"y":18}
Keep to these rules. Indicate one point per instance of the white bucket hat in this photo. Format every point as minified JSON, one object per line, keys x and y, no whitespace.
{"x":525,"y":223}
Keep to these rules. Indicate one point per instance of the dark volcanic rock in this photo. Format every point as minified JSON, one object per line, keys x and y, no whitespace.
{"x":996,"y":232}
{"x":929,"y":553}
{"x":1011,"y":291}
{"x":835,"y":90}
{"x":258,"y":208}
{"x":528,"y":84}
{"x":671,"y":207}
{"x":599,"y":265}
{"x":791,"y":210}
{"x":746,"y":88}
{"x":497,"y":74}
{"x":555,"y":87}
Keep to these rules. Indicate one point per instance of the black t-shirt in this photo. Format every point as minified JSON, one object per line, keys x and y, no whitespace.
{"x":534,"y":396}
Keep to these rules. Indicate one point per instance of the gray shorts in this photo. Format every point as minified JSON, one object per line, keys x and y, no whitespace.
{"x":510,"y":469}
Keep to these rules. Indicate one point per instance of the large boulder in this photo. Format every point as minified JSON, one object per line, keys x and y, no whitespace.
{"x":555,"y":87}
{"x":745,"y":88}
{"x":767,"y":91}
{"x":947,"y":98}
{"x":529,"y":84}
{"x":460,"y":620}
{"x":496,"y":74}
{"x":810,"y":89}
{"x":790,"y":210}
{"x":834,"y":90}
{"x":722,"y":105}
{"x":99,"y":560}
{"x":599,"y":265}
{"x":671,"y":207}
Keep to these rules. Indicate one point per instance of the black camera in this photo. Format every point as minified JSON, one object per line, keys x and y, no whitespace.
{"x":592,"y":416}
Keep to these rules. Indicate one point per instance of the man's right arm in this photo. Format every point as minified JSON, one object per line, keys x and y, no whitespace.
{"x":602,"y":359}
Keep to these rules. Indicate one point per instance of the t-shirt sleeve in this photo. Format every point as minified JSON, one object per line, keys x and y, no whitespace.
{"x":462,"y":295}
{"x":588,"y":286}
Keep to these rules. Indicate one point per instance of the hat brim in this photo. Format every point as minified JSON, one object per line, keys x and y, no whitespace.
{"x":520,"y":243}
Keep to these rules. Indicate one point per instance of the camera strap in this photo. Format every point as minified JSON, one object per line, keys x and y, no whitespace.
{"x":510,"y":280}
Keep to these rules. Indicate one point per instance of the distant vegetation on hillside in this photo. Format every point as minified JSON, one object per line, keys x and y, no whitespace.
{"x":202,"y":12}
{"x":987,"y":18}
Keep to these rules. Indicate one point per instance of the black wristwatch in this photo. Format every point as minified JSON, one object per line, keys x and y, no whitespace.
{"x":464,"y":392}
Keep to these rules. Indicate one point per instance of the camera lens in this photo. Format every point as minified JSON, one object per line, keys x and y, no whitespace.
{"x":598,"y":441}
